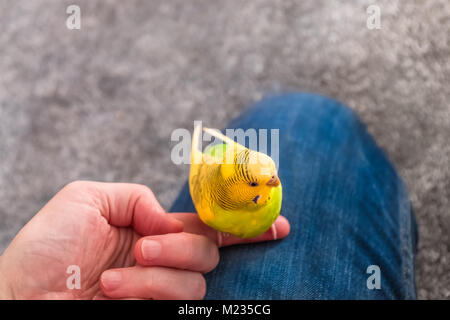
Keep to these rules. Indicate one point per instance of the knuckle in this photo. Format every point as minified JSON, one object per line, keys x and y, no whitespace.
{"x":76,"y":185}
{"x":145,"y":190}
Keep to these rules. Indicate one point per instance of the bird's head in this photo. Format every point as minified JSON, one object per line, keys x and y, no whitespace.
{"x":249,"y":178}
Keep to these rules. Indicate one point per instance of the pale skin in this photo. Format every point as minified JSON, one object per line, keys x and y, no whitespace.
{"x":126,"y":245}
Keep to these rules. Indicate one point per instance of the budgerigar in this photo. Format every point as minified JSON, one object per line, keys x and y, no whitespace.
{"x":235,"y":190}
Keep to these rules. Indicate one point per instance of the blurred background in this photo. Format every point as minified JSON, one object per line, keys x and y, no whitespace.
{"x":100,"y":103}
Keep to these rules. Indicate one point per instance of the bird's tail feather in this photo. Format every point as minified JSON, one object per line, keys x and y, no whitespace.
{"x":196,"y":154}
{"x":224,"y":138}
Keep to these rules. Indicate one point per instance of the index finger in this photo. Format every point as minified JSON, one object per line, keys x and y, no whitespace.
{"x":192,"y":224}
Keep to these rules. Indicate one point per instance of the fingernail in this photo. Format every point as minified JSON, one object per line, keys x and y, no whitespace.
{"x":111,"y":280}
{"x":151,"y":249}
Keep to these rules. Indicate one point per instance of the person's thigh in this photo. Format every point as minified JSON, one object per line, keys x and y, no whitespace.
{"x":347,"y":207}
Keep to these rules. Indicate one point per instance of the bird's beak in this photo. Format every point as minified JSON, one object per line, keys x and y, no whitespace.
{"x":274,"y":181}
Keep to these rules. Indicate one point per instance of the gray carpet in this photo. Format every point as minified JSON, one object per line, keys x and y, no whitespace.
{"x":100,"y":103}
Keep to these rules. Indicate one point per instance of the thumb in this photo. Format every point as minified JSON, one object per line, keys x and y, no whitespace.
{"x":127,"y":205}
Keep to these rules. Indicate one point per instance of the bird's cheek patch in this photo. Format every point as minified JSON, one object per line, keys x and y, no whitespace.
{"x":255,"y":200}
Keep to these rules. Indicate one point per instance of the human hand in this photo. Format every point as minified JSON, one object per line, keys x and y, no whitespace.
{"x":104,"y":229}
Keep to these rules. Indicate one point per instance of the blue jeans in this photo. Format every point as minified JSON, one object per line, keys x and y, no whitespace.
{"x":347,"y":207}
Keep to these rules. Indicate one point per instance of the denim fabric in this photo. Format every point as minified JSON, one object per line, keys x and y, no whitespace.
{"x":347,"y":207}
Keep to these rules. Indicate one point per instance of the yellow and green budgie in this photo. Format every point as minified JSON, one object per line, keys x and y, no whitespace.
{"x":235,"y":190}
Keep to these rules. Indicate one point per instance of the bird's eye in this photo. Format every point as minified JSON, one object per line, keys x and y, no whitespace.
{"x":253,"y":184}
